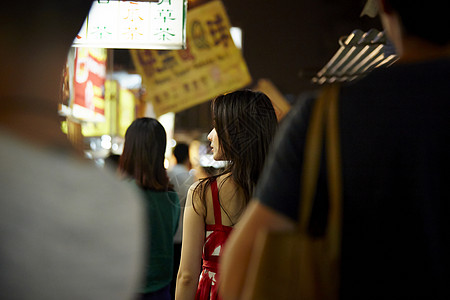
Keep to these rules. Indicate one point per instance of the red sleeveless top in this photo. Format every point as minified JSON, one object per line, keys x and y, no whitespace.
{"x":216,"y":235}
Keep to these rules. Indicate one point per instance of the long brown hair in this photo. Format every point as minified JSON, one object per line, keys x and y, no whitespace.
{"x":143,"y":154}
{"x":245,"y":122}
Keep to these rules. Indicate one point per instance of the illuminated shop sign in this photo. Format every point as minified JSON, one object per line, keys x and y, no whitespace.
{"x":89,"y":84}
{"x":210,"y":65}
{"x":134,"y":25}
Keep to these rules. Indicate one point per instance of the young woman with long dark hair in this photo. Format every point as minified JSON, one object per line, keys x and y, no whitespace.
{"x":244,"y":125}
{"x":142,"y":161}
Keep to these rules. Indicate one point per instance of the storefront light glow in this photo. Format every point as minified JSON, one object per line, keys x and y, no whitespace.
{"x":236,"y":35}
{"x":172,"y":143}
{"x":207,"y":160}
{"x":106,"y":145}
{"x":106,"y":138}
{"x":106,"y":142}
{"x":134,"y":25}
{"x":166,"y":163}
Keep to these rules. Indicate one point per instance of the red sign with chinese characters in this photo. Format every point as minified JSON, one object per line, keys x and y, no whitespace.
{"x":89,"y":84}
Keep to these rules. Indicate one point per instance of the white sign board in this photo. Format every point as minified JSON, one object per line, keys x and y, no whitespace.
{"x":134,"y":25}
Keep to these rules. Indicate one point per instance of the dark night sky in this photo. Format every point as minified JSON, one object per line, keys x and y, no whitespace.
{"x":282,"y":39}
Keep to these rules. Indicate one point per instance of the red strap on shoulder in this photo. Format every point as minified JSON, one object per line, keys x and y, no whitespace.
{"x":216,"y":204}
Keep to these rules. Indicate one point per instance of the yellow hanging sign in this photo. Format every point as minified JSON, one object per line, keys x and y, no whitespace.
{"x":210,"y":65}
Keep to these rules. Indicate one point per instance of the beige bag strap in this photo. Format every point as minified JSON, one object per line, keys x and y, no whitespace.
{"x":324,"y":112}
{"x":334,"y":171}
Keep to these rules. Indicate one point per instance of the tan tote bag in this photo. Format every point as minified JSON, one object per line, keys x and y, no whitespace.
{"x":294,"y":265}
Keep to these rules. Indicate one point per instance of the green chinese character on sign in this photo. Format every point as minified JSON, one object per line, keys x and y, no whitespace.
{"x":162,"y":1}
{"x":101,"y":30}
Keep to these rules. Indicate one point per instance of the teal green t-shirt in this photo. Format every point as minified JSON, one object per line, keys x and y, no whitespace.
{"x":163,"y":211}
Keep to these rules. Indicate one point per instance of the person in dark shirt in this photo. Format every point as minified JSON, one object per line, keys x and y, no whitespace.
{"x":395,"y":139}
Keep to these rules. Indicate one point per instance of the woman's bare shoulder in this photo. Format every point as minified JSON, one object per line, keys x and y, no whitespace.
{"x":226,"y":184}
{"x":195,"y":197}
{"x":194,"y":185}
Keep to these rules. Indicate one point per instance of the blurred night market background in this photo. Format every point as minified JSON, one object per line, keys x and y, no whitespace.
{"x":281,"y":48}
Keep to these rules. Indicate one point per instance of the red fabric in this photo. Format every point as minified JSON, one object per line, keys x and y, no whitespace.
{"x":216,"y":236}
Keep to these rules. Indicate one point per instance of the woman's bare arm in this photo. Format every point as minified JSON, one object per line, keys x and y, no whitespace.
{"x":191,"y":251}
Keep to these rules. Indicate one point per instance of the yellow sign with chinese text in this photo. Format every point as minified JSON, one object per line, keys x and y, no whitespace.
{"x":126,"y":111}
{"x":279,"y":102}
{"x":210,"y":65}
